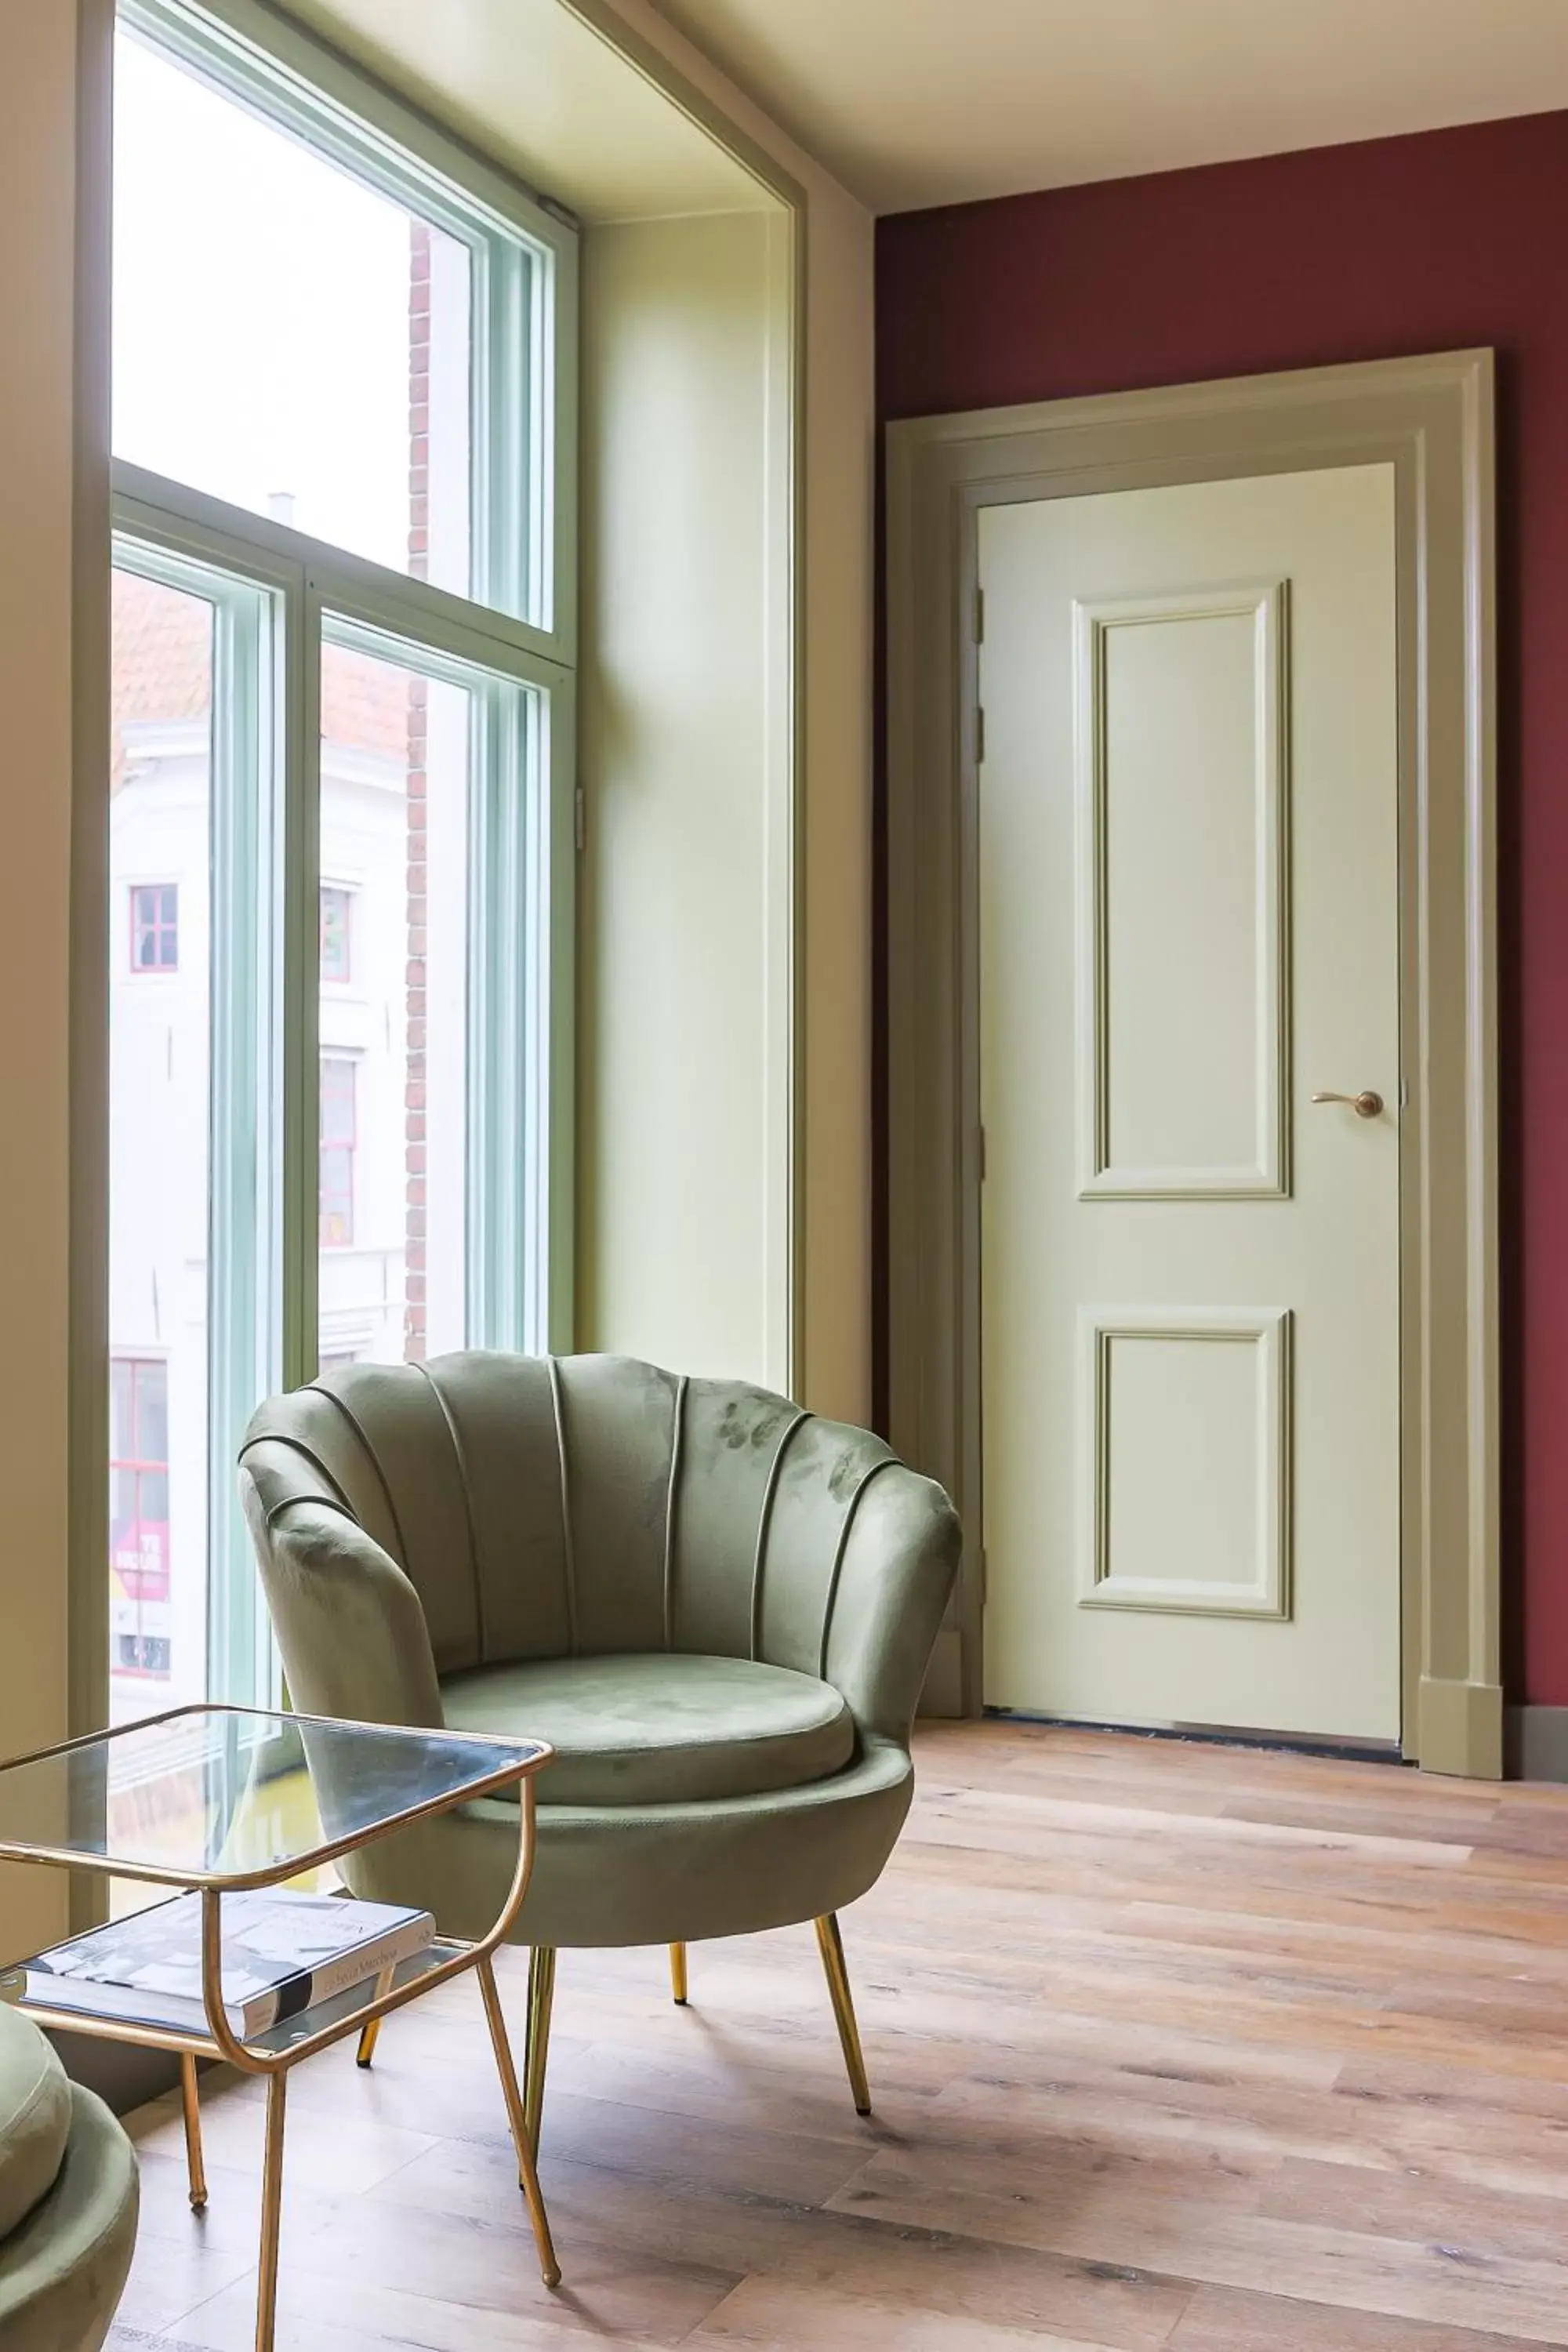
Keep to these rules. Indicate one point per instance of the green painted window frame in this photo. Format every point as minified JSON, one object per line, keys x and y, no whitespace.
{"x":278,"y":594}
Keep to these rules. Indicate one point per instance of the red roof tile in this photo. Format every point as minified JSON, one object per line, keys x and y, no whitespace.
{"x":163,"y":672}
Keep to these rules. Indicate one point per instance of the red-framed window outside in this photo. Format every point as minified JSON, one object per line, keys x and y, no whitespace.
{"x":339,"y":1146}
{"x":154,"y":927}
{"x":337,"y":932}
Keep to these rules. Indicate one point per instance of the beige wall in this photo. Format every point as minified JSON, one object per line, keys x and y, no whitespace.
{"x":38,"y":424}
{"x":681,"y":1240}
{"x":832,"y":1212}
{"x":836,"y":1207}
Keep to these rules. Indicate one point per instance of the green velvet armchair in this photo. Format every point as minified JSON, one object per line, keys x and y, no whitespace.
{"x":69,"y":2197}
{"x":718,"y":1608}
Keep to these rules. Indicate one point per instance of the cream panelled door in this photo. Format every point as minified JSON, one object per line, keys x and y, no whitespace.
{"x":1189,"y":927}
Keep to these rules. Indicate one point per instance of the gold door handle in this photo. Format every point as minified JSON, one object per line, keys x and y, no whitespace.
{"x":1365,"y":1106}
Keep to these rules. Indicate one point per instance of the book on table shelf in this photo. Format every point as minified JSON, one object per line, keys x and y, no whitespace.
{"x":282,"y":1953}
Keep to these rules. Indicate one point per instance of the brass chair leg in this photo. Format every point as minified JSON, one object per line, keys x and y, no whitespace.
{"x":527,"y":2172}
{"x":678,"y":1974}
{"x":192,"y":2105}
{"x":831,"y":1945}
{"x":369,"y":2035}
{"x":271,"y":2214}
{"x":536,"y":2050}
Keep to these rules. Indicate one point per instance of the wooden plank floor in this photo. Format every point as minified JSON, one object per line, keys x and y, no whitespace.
{"x":1171,"y":2046}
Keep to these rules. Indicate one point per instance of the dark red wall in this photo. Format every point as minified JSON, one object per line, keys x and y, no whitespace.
{"x":1426,"y":243}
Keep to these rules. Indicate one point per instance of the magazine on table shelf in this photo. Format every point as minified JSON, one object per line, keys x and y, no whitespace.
{"x":282,"y":1953}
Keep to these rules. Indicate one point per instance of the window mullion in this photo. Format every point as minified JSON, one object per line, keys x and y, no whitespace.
{"x":512,"y":571}
{"x":495,"y":1300}
{"x":553,"y":1057}
{"x":298,"y":992}
{"x":240,"y":1361}
{"x":393,"y":602}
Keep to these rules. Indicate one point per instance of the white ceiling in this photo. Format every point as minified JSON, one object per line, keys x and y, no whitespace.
{"x":937,"y":102}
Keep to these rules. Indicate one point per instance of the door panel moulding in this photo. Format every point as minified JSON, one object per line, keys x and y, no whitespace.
{"x":1264,"y":1334}
{"x":1431,"y":419}
{"x":1264,"y":609}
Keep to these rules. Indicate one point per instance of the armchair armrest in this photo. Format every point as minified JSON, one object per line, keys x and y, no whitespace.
{"x":900,"y":1561}
{"x":349,"y":1623}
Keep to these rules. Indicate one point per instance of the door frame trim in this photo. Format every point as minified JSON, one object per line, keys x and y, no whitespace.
{"x":1432,"y":419}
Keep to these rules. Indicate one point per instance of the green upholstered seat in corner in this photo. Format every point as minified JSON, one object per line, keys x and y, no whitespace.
{"x":67,"y":2201}
{"x":661,"y":1730}
{"x":34,"y":2117}
{"x":718,"y":1607}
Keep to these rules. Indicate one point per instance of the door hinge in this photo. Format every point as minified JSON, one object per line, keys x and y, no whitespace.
{"x":984,"y":1576}
{"x":980,"y":1148}
{"x":979,"y":734}
{"x":980,"y":616}
{"x":580,"y":817}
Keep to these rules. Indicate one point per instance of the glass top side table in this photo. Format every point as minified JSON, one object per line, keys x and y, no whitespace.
{"x":188,"y":1801}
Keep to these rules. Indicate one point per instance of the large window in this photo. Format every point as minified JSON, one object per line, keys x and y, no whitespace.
{"x":342,"y":791}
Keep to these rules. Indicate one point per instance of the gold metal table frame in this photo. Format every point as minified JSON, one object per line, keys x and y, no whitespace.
{"x":363,"y":2018}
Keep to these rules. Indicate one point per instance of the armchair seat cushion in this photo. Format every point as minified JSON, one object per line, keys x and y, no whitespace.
{"x":63,"y":2272}
{"x":660,"y":1728}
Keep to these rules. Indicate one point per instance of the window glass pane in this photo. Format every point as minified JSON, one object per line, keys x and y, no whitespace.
{"x":285,"y":337}
{"x":337,"y":958}
{"x":120,"y":1392}
{"x":394,"y":1109}
{"x":154,"y":927}
{"x":151,"y":1424}
{"x":159,"y":829}
{"x":339,"y":1134}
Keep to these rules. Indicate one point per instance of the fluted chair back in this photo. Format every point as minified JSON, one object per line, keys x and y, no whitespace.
{"x":546,"y":1507}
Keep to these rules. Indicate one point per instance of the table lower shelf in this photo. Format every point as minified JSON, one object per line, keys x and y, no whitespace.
{"x":338,"y":2011}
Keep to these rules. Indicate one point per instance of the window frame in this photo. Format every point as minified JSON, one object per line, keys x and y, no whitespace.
{"x":278,"y":594}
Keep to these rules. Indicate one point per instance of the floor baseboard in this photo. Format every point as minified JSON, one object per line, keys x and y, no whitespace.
{"x":1535,"y":1743}
{"x":123,"y":2075}
{"x":1216,"y":1735}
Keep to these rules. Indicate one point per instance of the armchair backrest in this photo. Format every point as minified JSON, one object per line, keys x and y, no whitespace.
{"x":556,"y":1507}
